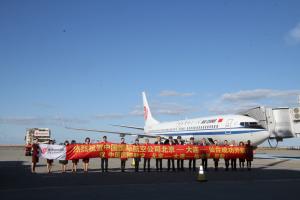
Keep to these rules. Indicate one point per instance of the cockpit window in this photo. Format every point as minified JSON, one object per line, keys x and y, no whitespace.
{"x":251,"y":125}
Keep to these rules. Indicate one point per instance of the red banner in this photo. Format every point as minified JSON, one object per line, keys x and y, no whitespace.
{"x":113,"y":150}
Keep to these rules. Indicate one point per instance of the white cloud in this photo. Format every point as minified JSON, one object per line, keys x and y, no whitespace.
{"x":245,"y":99}
{"x":137,"y":111}
{"x":110,"y":116}
{"x":40,"y":121}
{"x":157,"y":108}
{"x":231,"y":108}
{"x":171,"y":93}
{"x":293,"y":36}
{"x":22,"y":120}
{"x":257,"y":94}
{"x":163,"y":109}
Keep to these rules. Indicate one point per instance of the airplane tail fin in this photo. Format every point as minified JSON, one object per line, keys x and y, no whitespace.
{"x":149,"y":120}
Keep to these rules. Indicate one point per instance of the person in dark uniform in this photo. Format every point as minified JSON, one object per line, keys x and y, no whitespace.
{"x":64,"y":162}
{"x":86,"y":160}
{"x":104,"y":161}
{"x":233,"y":160}
{"x":74,"y":161}
{"x":216,"y":160}
{"x":180,"y":162}
{"x":170,"y":141}
{"x":203,"y":155}
{"x":226,"y":159}
{"x":242,"y":160}
{"x":136,"y":159}
{"x":249,"y":154}
{"x":158,"y":161}
{"x":50,"y":161}
{"x":147,"y":160}
{"x":35,"y":155}
{"x":192,"y":161}
{"x":123,"y":160}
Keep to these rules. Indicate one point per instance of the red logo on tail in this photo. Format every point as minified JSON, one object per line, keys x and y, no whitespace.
{"x":145,"y":113}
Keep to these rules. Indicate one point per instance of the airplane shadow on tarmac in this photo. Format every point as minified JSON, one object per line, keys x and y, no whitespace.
{"x":15,"y":174}
{"x":17,"y":182}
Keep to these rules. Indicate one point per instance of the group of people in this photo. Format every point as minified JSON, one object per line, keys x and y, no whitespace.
{"x":158,"y":161}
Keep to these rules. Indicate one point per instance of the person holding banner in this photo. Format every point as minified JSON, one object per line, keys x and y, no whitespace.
{"x":50,"y":161}
{"x":171,"y":160}
{"x":242,"y":159}
{"x":216,"y":160}
{"x":249,"y":154}
{"x":136,"y":159}
{"x":74,"y":161}
{"x":203,"y":155}
{"x":64,"y":162}
{"x":35,"y":155}
{"x":123,"y":160}
{"x":226,"y":159}
{"x":147,"y":160}
{"x":233,"y":160}
{"x":104,"y":161}
{"x":180,"y":163}
{"x":192,"y":161}
{"x":158,"y":161}
{"x":86,"y":160}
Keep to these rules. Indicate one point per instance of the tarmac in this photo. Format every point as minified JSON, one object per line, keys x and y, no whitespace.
{"x":275,"y":174}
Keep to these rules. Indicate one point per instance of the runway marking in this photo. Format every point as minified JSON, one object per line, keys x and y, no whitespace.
{"x":273,"y":164}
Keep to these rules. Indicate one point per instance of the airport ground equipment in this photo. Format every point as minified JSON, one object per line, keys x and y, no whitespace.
{"x":281,"y":122}
{"x":42,"y":135}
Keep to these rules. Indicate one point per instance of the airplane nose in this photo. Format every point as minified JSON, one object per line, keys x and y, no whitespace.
{"x":267,"y":134}
{"x":261,"y":137}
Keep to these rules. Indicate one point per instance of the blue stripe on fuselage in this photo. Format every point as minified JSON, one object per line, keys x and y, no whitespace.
{"x":211,"y":133}
{"x":209,"y":129}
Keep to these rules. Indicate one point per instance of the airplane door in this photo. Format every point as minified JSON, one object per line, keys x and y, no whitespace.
{"x":228,"y":126}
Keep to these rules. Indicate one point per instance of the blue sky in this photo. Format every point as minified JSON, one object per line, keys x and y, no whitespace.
{"x":87,"y":62}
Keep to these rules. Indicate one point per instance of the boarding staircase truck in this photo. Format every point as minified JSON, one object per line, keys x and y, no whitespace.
{"x":281,"y":122}
{"x":41,"y":135}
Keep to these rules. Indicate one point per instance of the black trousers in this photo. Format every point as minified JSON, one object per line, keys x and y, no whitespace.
{"x":192,"y":162}
{"x":242,"y":163}
{"x":104,"y":164}
{"x":136,"y":164}
{"x":158,"y":163}
{"x":216,"y":161}
{"x":226,"y":163}
{"x":180,"y":165}
{"x":147,"y":163}
{"x":171,"y":161}
{"x":233,"y":164}
{"x":204,"y":163}
{"x":249,"y":164}
{"x":123,"y":163}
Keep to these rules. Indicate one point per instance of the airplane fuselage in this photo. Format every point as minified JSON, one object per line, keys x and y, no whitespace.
{"x":220,"y":128}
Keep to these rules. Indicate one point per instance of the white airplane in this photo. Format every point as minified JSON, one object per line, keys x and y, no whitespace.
{"x":220,"y":128}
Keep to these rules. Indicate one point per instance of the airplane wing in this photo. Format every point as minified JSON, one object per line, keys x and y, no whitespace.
{"x":131,"y":127}
{"x":122,"y":134}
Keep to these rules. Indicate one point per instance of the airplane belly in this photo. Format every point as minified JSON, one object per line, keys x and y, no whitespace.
{"x":256,"y":137}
